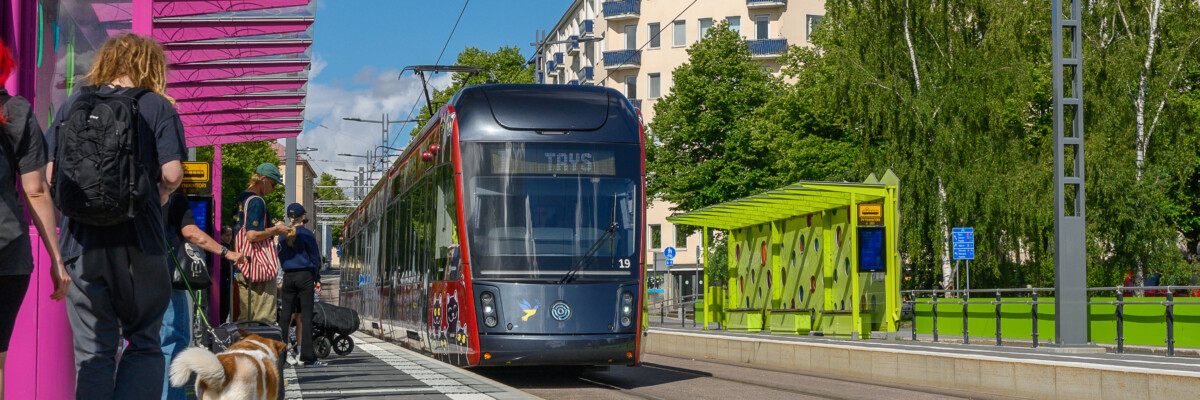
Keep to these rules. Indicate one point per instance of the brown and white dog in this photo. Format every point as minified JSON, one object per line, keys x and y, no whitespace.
{"x":246,"y":371}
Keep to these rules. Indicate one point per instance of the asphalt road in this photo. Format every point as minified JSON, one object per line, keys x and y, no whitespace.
{"x":661,"y":377}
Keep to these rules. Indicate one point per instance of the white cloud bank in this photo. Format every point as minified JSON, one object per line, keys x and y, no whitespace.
{"x":375,"y":93}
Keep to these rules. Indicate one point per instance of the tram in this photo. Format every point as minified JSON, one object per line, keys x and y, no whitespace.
{"x":509,"y":232}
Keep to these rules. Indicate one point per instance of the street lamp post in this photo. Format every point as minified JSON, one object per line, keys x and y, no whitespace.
{"x":290,"y":151}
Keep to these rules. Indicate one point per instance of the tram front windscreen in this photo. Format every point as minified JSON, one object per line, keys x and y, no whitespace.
{"x":535,"y":211}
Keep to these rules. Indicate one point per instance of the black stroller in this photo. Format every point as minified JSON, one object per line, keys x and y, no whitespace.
{"x":332,"y":326}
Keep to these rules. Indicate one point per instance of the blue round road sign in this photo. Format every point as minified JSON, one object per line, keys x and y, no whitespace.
{"x":669,"y":252}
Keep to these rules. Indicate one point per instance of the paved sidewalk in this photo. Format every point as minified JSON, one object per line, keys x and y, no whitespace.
{"x":381,"y":370}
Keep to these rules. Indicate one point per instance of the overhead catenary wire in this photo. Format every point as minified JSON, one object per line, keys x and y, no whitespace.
{"x":439,"y":61}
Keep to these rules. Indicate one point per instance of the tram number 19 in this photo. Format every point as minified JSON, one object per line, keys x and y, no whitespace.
{"x":623,"y":263}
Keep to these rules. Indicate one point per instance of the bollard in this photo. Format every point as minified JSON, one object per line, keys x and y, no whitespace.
{"x":1120,"y":320}
{"x":662,"y":316}
{"x":1034,"y":334}
{"x":935,"y":326}
{"x":998,"y":318}
{"x":1170,"y":322}
{"x":965,"y":302}
{"x":914,"y":316}
{"x":682,"y":316}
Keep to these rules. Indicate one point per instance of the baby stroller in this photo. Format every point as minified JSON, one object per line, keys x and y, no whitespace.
{"x":332,"y":326}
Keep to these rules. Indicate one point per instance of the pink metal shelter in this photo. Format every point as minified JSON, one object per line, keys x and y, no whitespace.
{"x":238,"y":69}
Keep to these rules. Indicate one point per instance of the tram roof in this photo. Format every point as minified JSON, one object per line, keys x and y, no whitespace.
{"x":797,"y":199}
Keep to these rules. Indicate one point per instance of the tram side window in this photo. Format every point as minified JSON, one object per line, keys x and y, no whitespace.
{"x":447,"y":229}
{"x":436,"y":270}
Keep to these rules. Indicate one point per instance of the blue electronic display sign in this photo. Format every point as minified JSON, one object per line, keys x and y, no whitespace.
{"x":871,"y":250}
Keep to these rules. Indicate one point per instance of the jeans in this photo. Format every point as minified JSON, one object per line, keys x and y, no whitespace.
{"x":117,"y":292}
{"x":176,"y":334}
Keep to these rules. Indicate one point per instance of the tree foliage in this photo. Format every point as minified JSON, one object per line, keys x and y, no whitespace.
{"x":505,"y":65}
{"x":238,"y":161}
{"x":955,"y":96}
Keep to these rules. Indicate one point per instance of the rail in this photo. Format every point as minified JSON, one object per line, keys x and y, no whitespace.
{"x":678,"y":304}
{"x":909,"y":298}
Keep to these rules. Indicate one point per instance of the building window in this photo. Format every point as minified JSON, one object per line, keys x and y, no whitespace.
{"x":631,"y":86}
{"x":705,"y":25}
{"x":631,"y":37}
{"x":762,"y":24}
{"x":655,"y":42}
{"x":735,"y":24}
{"x":680,"y":32}
{"x":813,"y":21}
{"x":680,"y":238}
{"x":655,"y":83}
{"x":655,"y":236}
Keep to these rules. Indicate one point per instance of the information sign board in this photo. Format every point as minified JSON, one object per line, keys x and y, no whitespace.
{"x":870,"y":214}
{"x":197,"y":178}
{"x":964,"y":243}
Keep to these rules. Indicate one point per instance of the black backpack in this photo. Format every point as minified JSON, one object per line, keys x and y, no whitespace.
{"x":98,"y":173}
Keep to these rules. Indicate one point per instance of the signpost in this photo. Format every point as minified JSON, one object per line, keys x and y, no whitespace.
{"x":669,"y":253}
{"x":964,"y":249}
{"x":197,"y":178}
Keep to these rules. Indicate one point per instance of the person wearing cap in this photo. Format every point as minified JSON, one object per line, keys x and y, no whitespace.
{"x":258,"y":298}
{"x":300,"y":259}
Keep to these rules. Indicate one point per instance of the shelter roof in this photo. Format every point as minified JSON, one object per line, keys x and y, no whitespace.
{"x":238,"y":68}
{"x":800,"y":198}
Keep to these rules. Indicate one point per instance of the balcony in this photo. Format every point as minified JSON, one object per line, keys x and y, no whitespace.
{"x":587,"y":75}
{"x":767,"y":48}
{"x":587,"y":29}
{"x":636,"y":103}
{"x":753,"y":4}
{"x":573,"y":47}
{"x":550,"y":67}
{"x":621,"y":59}
{"x":622,"y":9}
{"x":558,"y":60}
{"x":574,"y":82}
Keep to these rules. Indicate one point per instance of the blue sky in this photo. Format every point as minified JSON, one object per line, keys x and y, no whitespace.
{"x":360,"y":46}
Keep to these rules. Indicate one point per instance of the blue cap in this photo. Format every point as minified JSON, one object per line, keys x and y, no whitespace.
{"x":295,"y":210}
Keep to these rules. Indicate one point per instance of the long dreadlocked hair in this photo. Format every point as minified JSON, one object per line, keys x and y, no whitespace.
{"x":137,"y":57}
{"x":7,"y":65}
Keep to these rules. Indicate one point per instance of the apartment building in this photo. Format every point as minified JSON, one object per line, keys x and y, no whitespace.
{"x":634,"y":46}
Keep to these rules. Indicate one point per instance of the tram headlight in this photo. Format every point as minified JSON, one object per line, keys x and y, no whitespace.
{"x":626,"y":309}
{"x":488,"y":301}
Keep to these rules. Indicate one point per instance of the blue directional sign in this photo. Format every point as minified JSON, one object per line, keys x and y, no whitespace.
{"x":669,"y":252}
{"x":964,"y":243}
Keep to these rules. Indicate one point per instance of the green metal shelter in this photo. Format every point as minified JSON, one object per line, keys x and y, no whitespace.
{"x":808,"y":257}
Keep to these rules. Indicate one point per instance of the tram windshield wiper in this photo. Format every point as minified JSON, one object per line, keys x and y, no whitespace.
{"x":608,"y":235}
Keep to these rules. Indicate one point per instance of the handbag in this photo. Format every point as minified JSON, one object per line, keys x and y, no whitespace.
{"x":263,"y":258}
{"x":192,"y":273}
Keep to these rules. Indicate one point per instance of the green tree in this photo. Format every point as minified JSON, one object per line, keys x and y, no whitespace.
{"x":703,"y":149}
{"x":238,"y":161}
{"x":505,"y":65}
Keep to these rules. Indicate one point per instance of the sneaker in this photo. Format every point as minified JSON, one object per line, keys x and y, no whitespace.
{"x":292,"y":360}
{"x":315,"y":364}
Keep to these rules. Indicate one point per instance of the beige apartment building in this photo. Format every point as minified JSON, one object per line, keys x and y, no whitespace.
{"x":634,"y":46}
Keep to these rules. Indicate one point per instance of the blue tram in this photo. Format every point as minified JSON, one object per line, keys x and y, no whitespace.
{"x":509,"y":232}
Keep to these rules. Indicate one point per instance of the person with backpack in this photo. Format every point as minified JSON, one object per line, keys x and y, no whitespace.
{"x":300,"y":258}
{"x":117,"y":146}
{"x":23,"y":159}
{"x":256,"y":279}
{"x":186,"y":246}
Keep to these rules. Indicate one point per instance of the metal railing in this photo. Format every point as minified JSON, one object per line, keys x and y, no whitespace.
{"x":621,"y":7}
{"x":962,"y":298}
{"x":678,"y":304}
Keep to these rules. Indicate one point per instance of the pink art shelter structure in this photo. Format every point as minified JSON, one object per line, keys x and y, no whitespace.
{"x":239,"y":72}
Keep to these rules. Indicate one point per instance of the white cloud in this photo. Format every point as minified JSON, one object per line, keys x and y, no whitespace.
{"x":318,"y":64}
{"x":373,"y":93}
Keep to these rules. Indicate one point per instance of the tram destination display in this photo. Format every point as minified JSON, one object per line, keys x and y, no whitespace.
{"x":551,"y":161}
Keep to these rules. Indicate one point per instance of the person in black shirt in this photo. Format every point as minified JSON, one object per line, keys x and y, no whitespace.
{"x":120,"y":286}
{"x":176,"y":327}
{"x":23,"y":155}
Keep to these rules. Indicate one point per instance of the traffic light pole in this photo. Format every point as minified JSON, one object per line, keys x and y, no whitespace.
{"x":1070,"y":229}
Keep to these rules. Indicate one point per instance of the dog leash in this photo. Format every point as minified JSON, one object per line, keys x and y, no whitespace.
{"x":195,"y":299}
